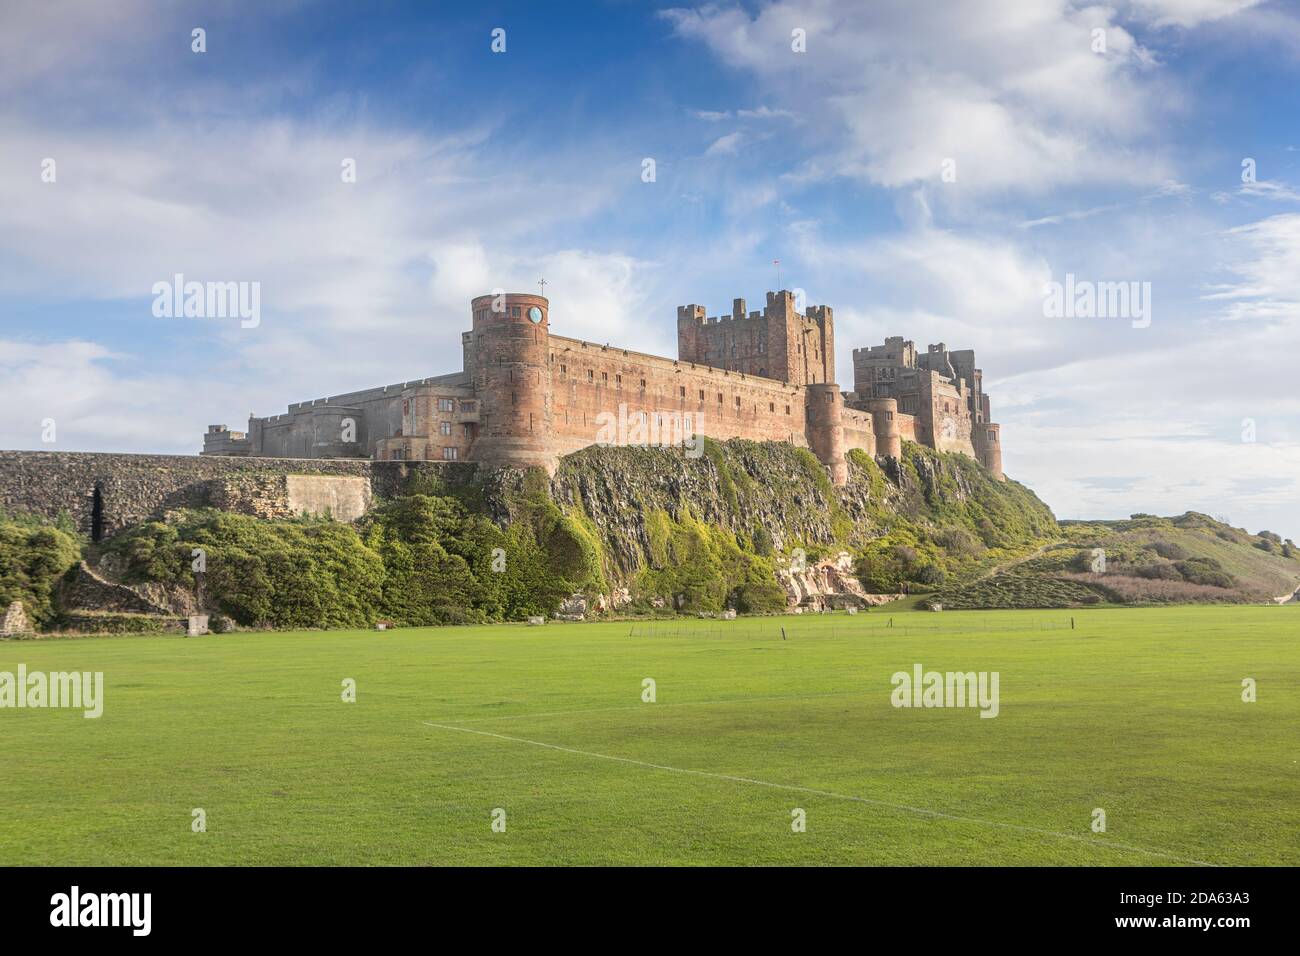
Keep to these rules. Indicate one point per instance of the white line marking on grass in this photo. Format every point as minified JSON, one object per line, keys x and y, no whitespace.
{"x":921,"y":811}
{"x":641,"y":707}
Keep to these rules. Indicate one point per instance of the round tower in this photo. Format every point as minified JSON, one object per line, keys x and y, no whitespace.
{"x":512,"y":380}
{"x":826,"y":428}
{"x":989,"y":448}
{"x":884,"y":422}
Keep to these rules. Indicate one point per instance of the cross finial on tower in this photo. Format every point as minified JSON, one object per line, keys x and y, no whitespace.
{"x":542,"y":283}
{"x":777,"y":263}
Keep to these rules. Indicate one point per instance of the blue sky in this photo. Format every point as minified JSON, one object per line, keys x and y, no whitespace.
{"x":478,"y":169}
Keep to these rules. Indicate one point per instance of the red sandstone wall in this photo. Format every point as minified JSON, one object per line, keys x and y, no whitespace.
{"x":858,"y":431}
{"x":906,"y":426}
{"x":585,"y":381}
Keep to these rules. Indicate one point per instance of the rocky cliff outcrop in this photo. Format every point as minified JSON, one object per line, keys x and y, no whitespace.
{"x":827,"y":585}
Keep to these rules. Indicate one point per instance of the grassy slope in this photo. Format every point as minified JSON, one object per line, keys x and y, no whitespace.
{"x":1201,"y":536}
{"x":1052,"y":581}
{"x":1138,"y":711}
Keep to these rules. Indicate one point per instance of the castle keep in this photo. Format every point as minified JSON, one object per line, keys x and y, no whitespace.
{"x":526,"y":396}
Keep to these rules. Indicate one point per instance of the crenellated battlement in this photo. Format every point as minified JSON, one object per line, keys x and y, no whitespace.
{"x":524,"y":396}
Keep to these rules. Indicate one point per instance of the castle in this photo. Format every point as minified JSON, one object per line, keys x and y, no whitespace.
{"x":526,"y":396}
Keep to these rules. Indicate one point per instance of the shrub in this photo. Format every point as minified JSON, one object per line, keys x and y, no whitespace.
{"x":1205,"y":571}
{"x":33,"y":558}
{"x":930,"y":574}
{"x":1169,"y":550}
{"x":1152,"y":572}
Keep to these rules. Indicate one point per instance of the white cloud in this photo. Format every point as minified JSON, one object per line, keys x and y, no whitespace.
{"x":1266,"y":263}
{"x":1188,"y":13}
{"x":1013,"y":92}
{"x":725,"y":145}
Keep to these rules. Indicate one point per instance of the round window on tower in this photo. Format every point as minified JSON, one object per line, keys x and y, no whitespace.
{"x":534,"y":315}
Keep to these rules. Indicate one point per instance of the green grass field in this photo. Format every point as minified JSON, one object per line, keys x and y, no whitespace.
{"x":1138,"y":712}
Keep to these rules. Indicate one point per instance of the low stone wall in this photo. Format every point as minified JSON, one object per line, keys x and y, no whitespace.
{"x":104,"y":493}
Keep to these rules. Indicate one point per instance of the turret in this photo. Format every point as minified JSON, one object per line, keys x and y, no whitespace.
{"x":988,"y":446}
{"x":510,"y":352}
{"x":825,"y":428}
{"x":884,"y":422}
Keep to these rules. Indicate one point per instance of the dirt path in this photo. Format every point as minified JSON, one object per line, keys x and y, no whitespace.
{"x":1292,"y":598}
{"x":1018,"y":561}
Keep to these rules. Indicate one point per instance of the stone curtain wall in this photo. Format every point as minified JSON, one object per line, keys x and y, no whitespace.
{"x":578,"y":398}
{"x":132,"y":488}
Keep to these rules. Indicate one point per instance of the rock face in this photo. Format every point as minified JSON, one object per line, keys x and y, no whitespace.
{"x":757,"y":485}
{"x":828,"y":585}
{"x":88,"y":590}
{"x":14,"y":622}
{"x":573,"y":609}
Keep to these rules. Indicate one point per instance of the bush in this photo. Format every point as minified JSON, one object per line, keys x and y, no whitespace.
{"x":1205,"y":571}
{"x":930,"y":574}
{"x":33,"y":558}
{"x":1152,"y":572}
{"x":1169,"y":550}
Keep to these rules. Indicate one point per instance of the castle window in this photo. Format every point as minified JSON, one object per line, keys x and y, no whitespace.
{"x":771,"y":406}
{"x":514,"y":312}
{"x":643,"y":384}
{"x":469,"y":406}
{"x":446,"y":405}
{"x":829,"y":398}
{"x":701,"y":394}
{"x":444,"y":428}
{"x":396,"y":454}
{"x":787,"y":409}
{"x":468,"y":430}
{"x":406,"y":407}
{"x":591,"y":376}
{"x":450,"y":453}
{"x":681,"y":390}
{"x":719,"y":398}
{"x":618,"y":381}
{"x":604,"y":378}
{"x":686,"y":423}
{"x":564,"y":369}
{"x":737,"y":401}
{"x":993,"y":436}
